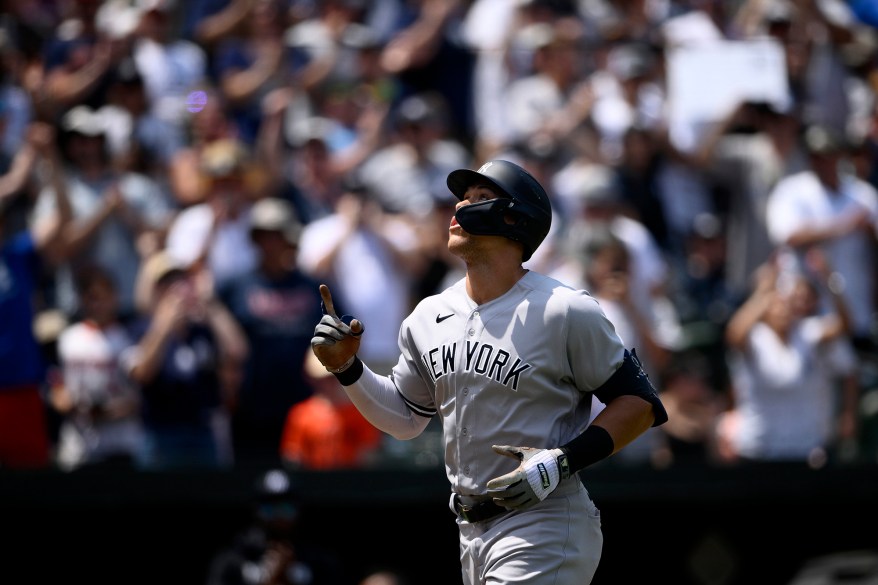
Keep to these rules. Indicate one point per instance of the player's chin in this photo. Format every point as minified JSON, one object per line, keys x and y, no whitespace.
{"x":458,"y":242}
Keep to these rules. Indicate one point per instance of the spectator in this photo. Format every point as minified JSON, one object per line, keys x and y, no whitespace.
{"x":551,"y":102}
{"x":653,"y":327}
{"x":842,"y":369}
{"x":424,"y":53}
{"x":207,"y":123}
{"x":313,"y":140}
{"x":367,"y":84}
{"x":694,"y":404}
{"x":327,"y":431}
{"x":16,"y":100}
{"x":186,"y":362}
{"x":82,"y":53}
{"x":101,"y":407}
{"x":817,"y":43}
{"x":441,"y":268}
{"x":628,"y":93}
{"x":780,"y":365}
{"x":275,"y":304}
{"x":208,"y":22}
{"x":250,"y":65}
{"x":24,"y":435}
{"x":640,"y":171}
{"x":828,"y":207}
{"x":487,"y":29}
{"x":138,"y":141}
{"x":746,"y":155}
{"x":370,"y":255}
{"x":702,"y":296}
{"x":594,"y":200}
{"x":216,"y":233}
{"x":308,"y":158}
{"x":323,"y":60}
{"x":405,"y":173}
{"x":171,"y":67}
{"x":272,"y":548}
{"x":119,"y":216}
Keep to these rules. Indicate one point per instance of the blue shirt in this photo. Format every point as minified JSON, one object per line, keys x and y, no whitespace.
{"x":278,"y":317}
{"x":21,"y":362}
{"x":186,"y":389}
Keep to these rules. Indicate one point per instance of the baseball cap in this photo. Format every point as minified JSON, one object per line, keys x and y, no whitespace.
{"x":275,"y":215}
{"x":84,"y":120}
{"x":535,"y":36}
{"x":224,"y":157}
{"x":822,"y":140}
{"x":155,"y":5}
{"x":301,"y":131}
{"x":160,"y":266}
{"x":424,"y":109}
{"x":117,"y":18}
{"x":360,"y":37}
{"x":277,"y":495}
{"x":778,"y":12}
{"x":156,"y":268}
{"x":629,"y":61}
{"x":595,"y":184}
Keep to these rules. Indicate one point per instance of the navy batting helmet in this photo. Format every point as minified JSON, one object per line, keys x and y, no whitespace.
{"x":522,"y":212}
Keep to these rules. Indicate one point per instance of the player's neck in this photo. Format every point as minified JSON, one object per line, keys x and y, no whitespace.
{"x":486,"y":283}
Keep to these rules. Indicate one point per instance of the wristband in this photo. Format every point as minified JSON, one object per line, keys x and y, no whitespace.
{"x":594,"y":444}
{"x":349,"y":373}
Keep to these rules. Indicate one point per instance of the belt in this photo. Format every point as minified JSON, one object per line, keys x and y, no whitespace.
{"x":477,"y":511}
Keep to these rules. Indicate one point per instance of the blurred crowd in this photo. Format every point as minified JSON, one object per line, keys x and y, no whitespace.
{"x":177,"y":178}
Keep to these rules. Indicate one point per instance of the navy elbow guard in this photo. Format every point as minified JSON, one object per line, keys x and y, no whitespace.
{"x":631,"y":380}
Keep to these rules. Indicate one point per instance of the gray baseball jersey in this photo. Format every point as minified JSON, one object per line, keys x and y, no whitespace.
{"x":517,"y":370}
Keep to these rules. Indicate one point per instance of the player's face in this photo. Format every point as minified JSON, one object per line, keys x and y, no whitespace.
{"x":460,"y":242}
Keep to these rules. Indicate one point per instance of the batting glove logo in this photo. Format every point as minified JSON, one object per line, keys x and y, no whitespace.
{"x":544,"y":476}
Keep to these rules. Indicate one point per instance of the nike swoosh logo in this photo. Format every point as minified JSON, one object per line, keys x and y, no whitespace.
{"x":440,"y":318}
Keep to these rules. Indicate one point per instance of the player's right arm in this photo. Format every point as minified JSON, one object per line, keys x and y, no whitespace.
{"x":335,"y":343}
{"x":381,"y":403}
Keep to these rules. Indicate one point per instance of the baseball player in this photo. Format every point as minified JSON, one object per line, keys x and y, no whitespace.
{"x":509,"y":360}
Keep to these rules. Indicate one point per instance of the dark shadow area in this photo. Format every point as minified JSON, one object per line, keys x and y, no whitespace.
{"x":698,"y":526}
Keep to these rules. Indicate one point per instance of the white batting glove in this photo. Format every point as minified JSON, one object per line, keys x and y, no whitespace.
{"x":540,"y":472}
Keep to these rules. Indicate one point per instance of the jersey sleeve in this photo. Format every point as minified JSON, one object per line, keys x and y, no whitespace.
{"x":409,"y":377}
{"x":594,"y":349}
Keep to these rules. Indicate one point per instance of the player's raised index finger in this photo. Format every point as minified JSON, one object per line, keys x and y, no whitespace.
{"x":327,"y":301}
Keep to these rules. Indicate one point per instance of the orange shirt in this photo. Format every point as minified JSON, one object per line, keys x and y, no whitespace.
{"x":321,"y":435}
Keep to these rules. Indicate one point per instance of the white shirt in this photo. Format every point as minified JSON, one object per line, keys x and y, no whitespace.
{"x":170,"y":71}
{"x":800,"y":201}
{"x":114,"y":244}
{"x":231,"y":252}
{"x":89,"y":359}
{"x":369,"y":283}
{"x":785,"y":392}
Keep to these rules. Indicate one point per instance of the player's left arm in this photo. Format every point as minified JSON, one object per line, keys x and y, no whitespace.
{"x":633,"y":406}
